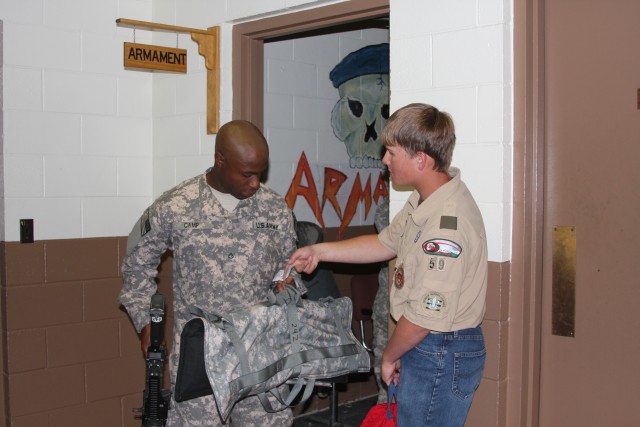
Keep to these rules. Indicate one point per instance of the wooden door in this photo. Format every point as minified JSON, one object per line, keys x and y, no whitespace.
{"x":592,"y":183}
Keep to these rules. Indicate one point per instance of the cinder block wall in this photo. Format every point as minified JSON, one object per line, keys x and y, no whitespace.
{"x":72,"y":356}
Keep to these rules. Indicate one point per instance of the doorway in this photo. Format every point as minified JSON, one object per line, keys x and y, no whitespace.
{"x":248,"y":87}
{"x":248,"y":102}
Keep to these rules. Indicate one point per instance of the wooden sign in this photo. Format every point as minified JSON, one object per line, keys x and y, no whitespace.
{"x":208,"y":46}
{"x":151,"y":57}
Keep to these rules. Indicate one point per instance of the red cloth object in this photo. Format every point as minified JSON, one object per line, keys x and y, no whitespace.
{"x":377,"y":416}
{"x":382,"y":414}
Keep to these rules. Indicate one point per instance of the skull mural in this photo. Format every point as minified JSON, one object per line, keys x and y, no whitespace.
{"x":362,"y":80}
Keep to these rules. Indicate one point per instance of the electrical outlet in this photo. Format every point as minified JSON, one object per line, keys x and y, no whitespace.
{"x":26,"y":231}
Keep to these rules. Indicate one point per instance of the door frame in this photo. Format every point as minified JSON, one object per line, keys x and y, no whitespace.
{"x":248,"y":47}
{"x":525,"y":299}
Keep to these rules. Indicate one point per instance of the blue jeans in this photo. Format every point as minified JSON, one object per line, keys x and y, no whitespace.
{"x":438,"y":378}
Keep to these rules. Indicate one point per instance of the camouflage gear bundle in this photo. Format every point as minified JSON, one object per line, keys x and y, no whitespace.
{"x":254,"y":350}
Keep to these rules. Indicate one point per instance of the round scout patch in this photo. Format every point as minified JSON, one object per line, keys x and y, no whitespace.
{"x":434,"y":302}
{"x":398,"y":278}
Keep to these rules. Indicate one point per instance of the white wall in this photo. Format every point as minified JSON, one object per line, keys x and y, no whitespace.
{"x":87,"y":145}
{"x":181,"y":146}
{"x":77,"y":127}
{"x":457,"y":55}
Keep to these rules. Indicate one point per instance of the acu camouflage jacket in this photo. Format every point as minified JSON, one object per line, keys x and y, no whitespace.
{"x":221,"y":260}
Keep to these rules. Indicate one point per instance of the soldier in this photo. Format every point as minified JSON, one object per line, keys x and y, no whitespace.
{"x":229,"y":235}
{"x":380,"y":310}
{"x":436,"y":354}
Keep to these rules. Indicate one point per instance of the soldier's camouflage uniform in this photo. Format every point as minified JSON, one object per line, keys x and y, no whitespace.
{"x":221,"y":261}
{"x":380,"y":315}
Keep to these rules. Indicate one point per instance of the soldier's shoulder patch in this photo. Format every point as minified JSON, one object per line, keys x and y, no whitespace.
{"x":139,"y":230}
{"x":442,"y":247}
{"x":145,"y":223}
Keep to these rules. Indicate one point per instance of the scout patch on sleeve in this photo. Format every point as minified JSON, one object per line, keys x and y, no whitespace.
{"x":449,"y":222}
{"x":437,"y":263}
{"x":398,"y":277}
{"x":434,"y":302}
{"x":442,"y":247}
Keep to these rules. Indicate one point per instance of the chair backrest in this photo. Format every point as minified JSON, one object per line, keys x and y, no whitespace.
{"x":321,"y":283}
{"x":308,"y":233}
{"x":363,"y":292}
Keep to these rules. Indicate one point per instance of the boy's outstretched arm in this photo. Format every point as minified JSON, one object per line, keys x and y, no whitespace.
{"x":359,"y":250}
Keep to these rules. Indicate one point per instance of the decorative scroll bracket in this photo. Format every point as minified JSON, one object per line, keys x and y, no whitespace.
{"x":209,"y":47}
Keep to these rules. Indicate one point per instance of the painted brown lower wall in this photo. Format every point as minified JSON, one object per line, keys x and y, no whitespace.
{"x":71,"y":357}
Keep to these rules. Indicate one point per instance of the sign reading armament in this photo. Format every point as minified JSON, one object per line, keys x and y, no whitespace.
{"x":151,"y":57}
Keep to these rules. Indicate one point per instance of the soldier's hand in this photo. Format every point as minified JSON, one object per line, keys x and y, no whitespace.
{"x":145,"y":339}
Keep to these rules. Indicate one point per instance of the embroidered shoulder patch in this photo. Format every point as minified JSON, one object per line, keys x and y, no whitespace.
{"x":398,"y":277}
{"x":265,"y":226}
{"x":437,"y":263}
{"x":434,"y":302}
{"x":449,"y":222}
{"x":442,"y":247}
{"x":145,"y":224}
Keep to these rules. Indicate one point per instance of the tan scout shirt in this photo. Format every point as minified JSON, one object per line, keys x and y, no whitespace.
{"x":440,"y":279}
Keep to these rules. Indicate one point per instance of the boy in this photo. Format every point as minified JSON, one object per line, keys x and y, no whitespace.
{"x":436,"y":354}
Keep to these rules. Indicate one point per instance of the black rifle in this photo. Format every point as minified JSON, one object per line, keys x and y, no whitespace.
{"x":156,"y":400}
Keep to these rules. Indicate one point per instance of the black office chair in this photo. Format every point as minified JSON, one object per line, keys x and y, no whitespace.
{"x":320,"y":284}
